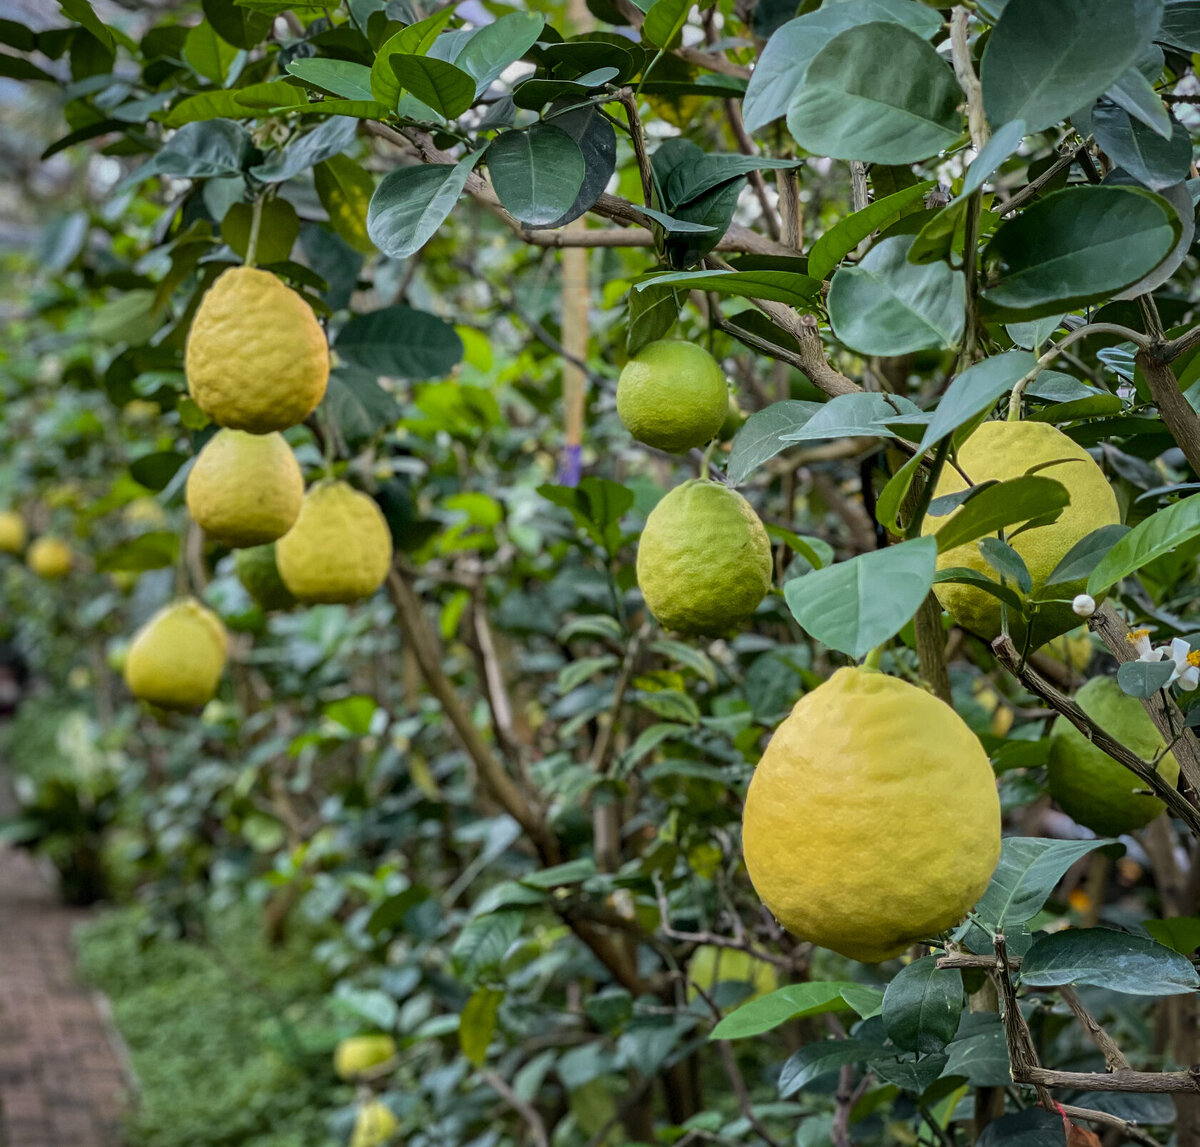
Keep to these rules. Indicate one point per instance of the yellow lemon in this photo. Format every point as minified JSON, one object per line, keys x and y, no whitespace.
{"x":704,"y":559}
{"x":710,"y":966}
{"x":672,"y":396}
{"x":13,"y":534}
{"x":50,"y":558}
{"x":144,"y":512}
{"x":256,"y":357}
{"x":245,"y":489}
{"x":1003,"y":450}
{"x":340,"y":548}
{"x":176,"y":659}
{"x":1073,"y":649}
{"x":360,"y":1053}
{"x":1086,"y":782}
{"x":258,"y":572}
{"x":374,"y":1125}
{"x":872,"y":820}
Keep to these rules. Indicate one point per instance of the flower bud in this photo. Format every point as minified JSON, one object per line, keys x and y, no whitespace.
{"x":1084,"y":605}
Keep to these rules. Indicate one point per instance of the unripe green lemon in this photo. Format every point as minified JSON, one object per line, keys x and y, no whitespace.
{"x":704,"y":559}
{"x":374,"y":1125}
{"x":1086,"y":782}
{"x":1003,"y":450}
{"x":50,"y":558}
{"x":734,"y":418}
{"x":258,"y":572}
{"x":360,"y":1053}
{"x":872,"y":820}
{"x":13,"y":534}
{"x":245,"y":489}
{"x":256,"y":357}
{"x":340,"y":548}
{"x":176,"y":659}
{"x":672,"y":396}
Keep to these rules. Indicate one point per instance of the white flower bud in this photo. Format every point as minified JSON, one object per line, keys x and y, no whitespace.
{"x":1084,"y":605}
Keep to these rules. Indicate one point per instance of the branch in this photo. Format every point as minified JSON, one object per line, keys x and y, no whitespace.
{"x":1130,"y":1130}
{"x":743,"y":1096}
{"x":537,"y":1128}
{"x":1171,"y":350}
{"x":1030,"y":190}
{"x":964,"y":69}
{"x":1181,"y":420}
{"x":629,"y":102}
{"x":1112,"y":1054}
{"x":1152,"y":1081}
{"x":1022,"y":1055}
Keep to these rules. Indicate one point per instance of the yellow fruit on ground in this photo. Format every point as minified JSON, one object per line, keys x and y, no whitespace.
{"x":256,"y":358}
{"x":704,"y":559}
{"x":872,"y":820}
{"x":245,"y":489}
{"x":50,"y":558}
{"x":176,"y":659}
{"x":672,"y":396}
{"x":13,"y":534}
{"x":710,"y":966}
{"x":360,"y":1053}
{"x":340,"y":548}
{"x":1086,"y":783}
{"x":1003,"y":450}
{"x":374,"y":1125}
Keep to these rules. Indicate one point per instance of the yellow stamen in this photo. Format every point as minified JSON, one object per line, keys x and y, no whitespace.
{"x":1193,"y":658}
{"x":1136,"y":635}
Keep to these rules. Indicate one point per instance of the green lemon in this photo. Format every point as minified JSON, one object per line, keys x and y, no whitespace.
{"x":672,"y":396}
{"x":1086,"y":782}
{"x":704,"y":559}
{"x":256,"y":570}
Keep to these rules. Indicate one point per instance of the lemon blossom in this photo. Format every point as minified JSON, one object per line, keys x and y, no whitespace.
{"x":1187,"y":660}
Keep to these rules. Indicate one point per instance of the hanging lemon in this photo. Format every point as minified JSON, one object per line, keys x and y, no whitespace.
{"x":176,"y":659}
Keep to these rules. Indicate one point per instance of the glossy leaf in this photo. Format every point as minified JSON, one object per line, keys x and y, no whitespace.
{"x":851,"y":415}
{"x":922,"y":1006}
{"x":400,"y":342}
{"x":1027,"y":873}
{"x":345,"y":189}
{"x":846,"y":234}
{"x":441,"y":86}
{"x":820,"y":1058}
{"x":1008,"y":503}
{"x":775,"y":1008}
{"x":415,"y":40}
{"x":1152,"y":160}
{"x":1083,"y":557}
{"x":330,"y":138}
{"x":1149,"y":539}
{"x":976,"y":390}
{"x":537,"y":173}
{"x":597,"y":140}
{"x":1118,"y":961}
{"x":341,"y":77}
{"x":411,"y":203}
{"x":497,"y":45}
{"x":760,"y":437}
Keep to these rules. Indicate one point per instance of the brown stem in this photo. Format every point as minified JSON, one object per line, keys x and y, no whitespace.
{"x":931,"y":648}
{"x":1159,"y":1082}
{"x":629,"y":102}
{"x":1181,"y":420}
{"x":529,"y":1113}
{"x":1112,"y":1054}
{"x":1130,"y":1131}
{"x":964,"y":69}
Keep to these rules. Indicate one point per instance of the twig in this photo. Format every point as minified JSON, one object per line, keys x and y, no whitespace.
{"x":743,"y":1096}
{"x":1022,"y":1055}
{"x":629,"y":102}
{"x":1112,"y":1054}
{"x":537,"y":1128}
{"x":1159,"y":1082}
{"x":964,"y":69}
{"x":733,"y":113}
{"x":1181,"y":420}
{"x":1030,"y":190}
{"x":1127,"y":1128}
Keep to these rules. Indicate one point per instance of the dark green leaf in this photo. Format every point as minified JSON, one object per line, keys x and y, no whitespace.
{"x":1006,"y":562}
{"x":155,"y":471}
{"x":922,"y":1006}
{"x":153,"y":551}
{"x":1149,"y":539}
{"x":81,"y":12}
{"x":1181,"y":933}
{"x":325,"y":141}
{"x":664,"y":21}
{"x":974,"y":391}
{"x":851,"y":415}
{"x":341,"y":77}
{"x":415,"y":40}
{"x":1004,"y":504}
{"x":498,"y":44}
{"x":1152,"y":160}
{"x":1028,"y":870}
{"x":279,"y":225}
{"x":1031,"y":1128}
{"x":1003,"y":144}
{"x":483,"y":942}
{"x":411,"y":203}
{"x":1135,"y":93}
{"x":400,"y":342}
{"x":1118,"y":961}
{"x":700,"y":173}
{"x":597,"y":140}
{"x":537,"y":173}
{"x":964,"y":575}
{"x":775,"y":1008}
{"x":911,"y":1073}
{"x":652,"y":315}
{"x":442,"y":86}
{"x":1181,"y":25}
{"x":238,"y":25}
{"x":1086,"y":554}
{"x":789,"y":287}
{"x":359,"y":405}
{"x":820,"y":1058}
{"x":760,"y":437}
{"x":981,"y":1057}
{"x":845,"y":235}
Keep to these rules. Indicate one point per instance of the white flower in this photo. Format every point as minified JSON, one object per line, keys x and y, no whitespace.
{"x":1187,"y":664}
{"x":1084,"y":604}
{"x":1140,"y":640}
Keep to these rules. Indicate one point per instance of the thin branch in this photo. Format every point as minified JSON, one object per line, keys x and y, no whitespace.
{"x":1181,"y":420}
{"x":1171,"y":350}
{"x":1031,"y":189}
{"x":1127,"y":1128}
{"x":964,"y":69}
{"x":1159,"y":1082}
{"x":743,"y":1096}
{"x":733,"y":113}
{"x":537,"y":1128}
{"x":629,"y":102}
{"x":1112,"y":1054}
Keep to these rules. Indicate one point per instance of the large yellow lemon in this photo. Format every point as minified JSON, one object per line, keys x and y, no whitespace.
{"x":245,"y":489}
{"x":50,"y":558}
{"x":672,"y":396}
{"x":360,"y":1053}
{"x":340,"y":548}
{"x":256,"y":358}
{"x":872,"y":820}
{"x":1004,"y":450}
{"x":704,"y":559}
{"x":176,"y":659}
{"x":374,"y":1125}
{"x":1086,"y":782}
{"x":13,"y":534}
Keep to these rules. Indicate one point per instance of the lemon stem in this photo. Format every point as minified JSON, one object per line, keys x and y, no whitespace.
{"x":255,"y":224}
{"x":873,"y":659}
{"x":708,"y":453}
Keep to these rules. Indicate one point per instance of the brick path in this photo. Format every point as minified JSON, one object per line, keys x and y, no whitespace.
{"x":61,"y":1081}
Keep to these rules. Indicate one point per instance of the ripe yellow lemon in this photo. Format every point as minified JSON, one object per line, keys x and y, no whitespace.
{"x":374,"y":1125}
{"x":50,"y":558}
{"x":1004,"y":450}
{"x":704,"y":559}
{"x":872,"y":820}
{"x":245,"y":489}
{"x":13,"y":534}
{"x":258,"y":572}
{"x":710,"y":966}
{"x":340,"y":548}
{"x":176,"y":659}
{"x":360,"y":1053}
{"x":256,"y":357}
{"x":672,"y":396}
{"x":1086,"y":782}
{"x":144,"y":513}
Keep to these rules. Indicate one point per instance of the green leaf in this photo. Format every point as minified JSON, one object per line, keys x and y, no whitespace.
{"x":760,"y":437}
{"x":1045,"y":61}
{"x":1102,"y":958}
{"x":842,"y":238}
{"x":411,"y":203}
{"x":886,"y":305}
{"x":345,"y":189}
{"x":358,"y":404}
{"x":153,"y":551}
{"x":851,"y":415}
{"x":775,"y":1008}
{"x":359,"y":109}
{"x":653,"y":311}
{"x":279,"y":227}
{"x":155,"y":471}
{"x":207,"y":54}
{"x":1006,"y":562}
{"x":537,"y":173}
{"x":1152,"y":160}
{"x":789,"y":287}
{"x":1143,"y":679}
{"x":415,"y":40}
{"x":664,"y":21}
{"x":878,"y":93}
{"x":597,"y":140}
{"x":81,"y":12}
{"x":1181,"y":25}
{"x":822,"y":1057}
{"x":964,"y":575}
{"x":1006,"y":503}
{"x":1151,"y":538}
{"x":442,"y":86}
{"x":497,"y":45}
{"x":477,"y":1023}
{"x":1083,"y":557}
{"x":324,"y":142}
{"x":575,"y":673}
{"x":1182,"y":933}
{"x":341,"y":77}
{"x":701,"y":172}
{"x":858,"y":604}
{"x":1135,"y":92}
{"x":974,"y":391}
{"x":400,"y":342}
{"x":200,"y":151}
{"x":1028,"y":870}
{"x":237,"y":25}
{"x":1076,"y":246}
{"x":980,"y":1056}
{"x":483,"y":942}
{"x":1004,"y":143}
{"x":235,"y":103}
{"x":922,"y":1006}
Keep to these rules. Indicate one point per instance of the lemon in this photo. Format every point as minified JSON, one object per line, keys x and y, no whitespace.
{"x":256,"y":357}
{"x":340,"y":548}
{"x":176,"y":659}
{"x":672,"y":396}
{"x":710,"y":966}
{"x":1086,"y":782}
{"x":872,"y":820}
{"x":50,"y":558}
{"x":13,"y":534}
{"x":144,"y":513}
{"x":704,"y":559}
{"x":257,"y":571}
{"x":374,"y":1125}
{"x":733,"y":421}
{"x":360,"y":1053}
{"x":1004,"y":450}
{"x":245,"y":489}
{"x":1073,"y":649}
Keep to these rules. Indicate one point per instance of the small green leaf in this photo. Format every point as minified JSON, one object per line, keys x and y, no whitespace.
{"x":1182,"y":933}
{"x":1149,"y":539}
{"x":664,"y":21}
{"x":761,"y":436}
{"x":1028,"y":870}
{"x":497,"y":45}
{"x":1143,"y":679}
{"x":1004,"y":504}
{"x":442,"y":86}
{"x":775,"y":1008}
{"x":922,"y":1006}
{"x":415,"y":40}
{"x":846,"y":234}
{"x":974,"y":391}
{"x":341,"y":77}
{"x":477,"y":1023}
